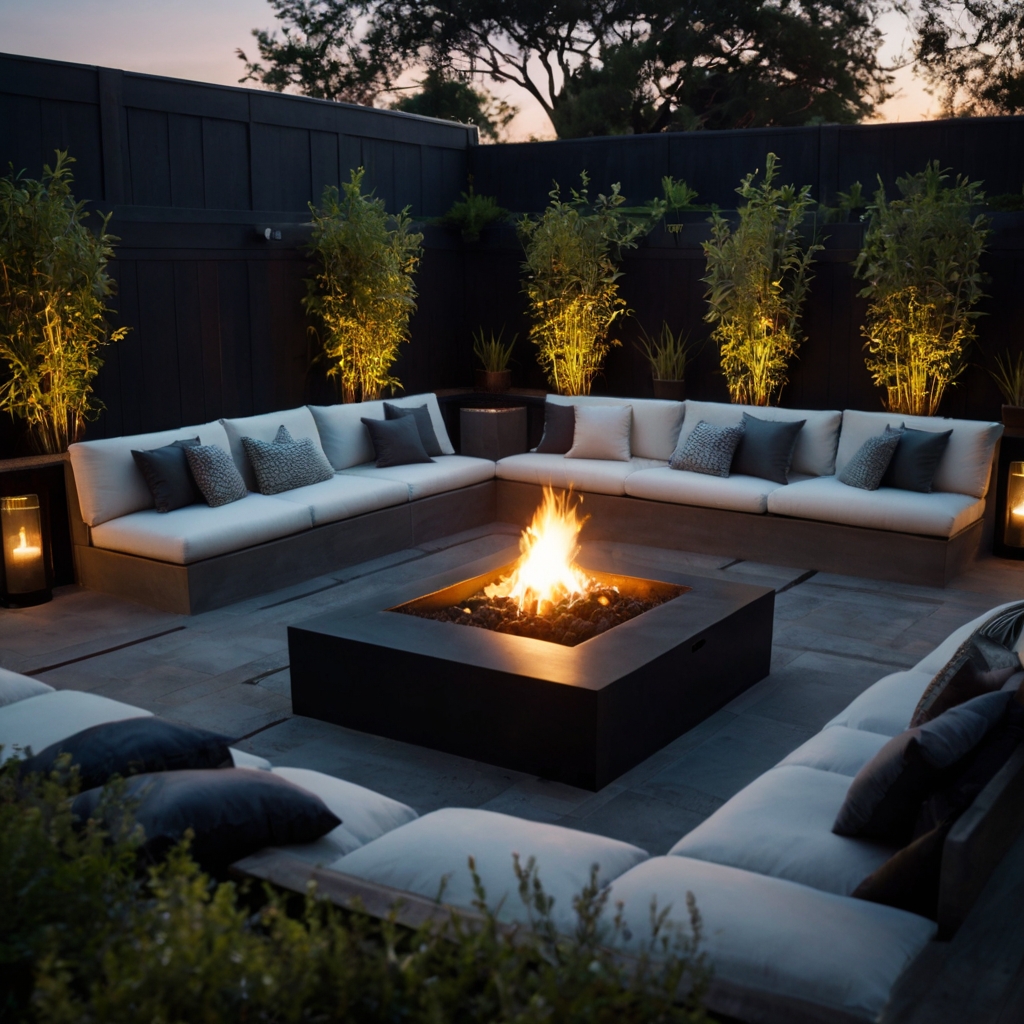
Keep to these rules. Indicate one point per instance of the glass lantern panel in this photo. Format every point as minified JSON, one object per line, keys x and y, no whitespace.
{"x":1013,"y":529}
{"x":21,"y":527}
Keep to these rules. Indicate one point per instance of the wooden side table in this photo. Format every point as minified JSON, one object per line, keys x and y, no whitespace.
{"x":493,"y":433}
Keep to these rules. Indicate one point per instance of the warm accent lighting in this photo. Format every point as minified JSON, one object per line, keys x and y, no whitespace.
{"x":24,"y":562}
{"x":545,"y":572}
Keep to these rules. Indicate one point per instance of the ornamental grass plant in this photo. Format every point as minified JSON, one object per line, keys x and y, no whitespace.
{"x":363,"y":293}
{"x":53,"y":314}
{"x":758,"y":273}
{"x":88,"y":936}
{"x":921,"y":259}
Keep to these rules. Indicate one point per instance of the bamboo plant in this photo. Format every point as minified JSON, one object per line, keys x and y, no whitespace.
{"x":571,"y":281}
{"x":363,"y":294}
{"x":921,"y":259}
{"x":53,"y":314}
{"x":758,"y":274}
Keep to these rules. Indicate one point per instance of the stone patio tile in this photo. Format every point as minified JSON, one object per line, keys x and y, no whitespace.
{"x":538,"y":800}
{"x":642,"y":819}
{"x":802,"y":636}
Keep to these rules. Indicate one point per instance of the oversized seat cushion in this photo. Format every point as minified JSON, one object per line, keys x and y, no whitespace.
{"x":815,"y":451}
{"x":773,"y":936}
{"x":681,"y":487}
{"x":365,"y":815}
{"x":838,"y":749}
{"x":938,"y":514}
{"x":345,"y":496}
{"x":418,"y":856}
{"x":110,"y":484}
{"x":14,"y":687}
{"x":445,"y":473}
{"x":38,"y":722}
{"x":197,"y":531}
{"x":599,"y":476}
{"x":781,"y":825}
{"x":655,"y":426}
{"x":964,"y":466}
{"x":885,"y":707}
{"x":298,"y":422}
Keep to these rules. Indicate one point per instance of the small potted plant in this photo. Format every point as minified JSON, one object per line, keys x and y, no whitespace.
{"x":494,"y":354}
{"x":668,"y":355}
{"x":1009,"y":378}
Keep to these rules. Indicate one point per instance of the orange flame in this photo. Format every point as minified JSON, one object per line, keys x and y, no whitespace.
{"x":545,"y":572}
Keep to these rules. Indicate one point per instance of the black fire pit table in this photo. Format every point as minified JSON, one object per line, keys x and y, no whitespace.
{"x":581,"y":715}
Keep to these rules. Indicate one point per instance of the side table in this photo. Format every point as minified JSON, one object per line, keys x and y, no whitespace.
{"x":493,"y":433}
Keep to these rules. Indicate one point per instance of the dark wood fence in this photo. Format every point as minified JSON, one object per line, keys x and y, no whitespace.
{"x":196,"y":174}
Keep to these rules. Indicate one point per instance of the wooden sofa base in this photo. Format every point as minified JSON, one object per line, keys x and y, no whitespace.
{"x":225,"y":579}
{"x":775,"y":540}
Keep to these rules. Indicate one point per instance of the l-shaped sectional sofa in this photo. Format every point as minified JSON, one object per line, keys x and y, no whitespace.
{"x":196,"y":558}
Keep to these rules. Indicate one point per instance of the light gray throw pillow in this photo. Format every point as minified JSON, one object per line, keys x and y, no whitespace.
{"x":869,"y":463}
{"x":707,"y":449}
{"x":215,"y":474}
{"x":284,"y":464}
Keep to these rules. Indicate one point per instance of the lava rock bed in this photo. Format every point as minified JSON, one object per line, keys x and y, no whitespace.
{"x":566,"y":623}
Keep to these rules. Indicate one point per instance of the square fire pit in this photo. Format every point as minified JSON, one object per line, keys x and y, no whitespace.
{"x":581,"y":715}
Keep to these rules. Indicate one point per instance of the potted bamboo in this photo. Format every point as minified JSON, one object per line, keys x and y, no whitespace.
{"x":668,"y":355}
{"x":1009,"y":378}
{"x":494,"y":354}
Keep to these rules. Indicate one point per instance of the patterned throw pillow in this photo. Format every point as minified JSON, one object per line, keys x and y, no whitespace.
{"x":868,"y":465}
{"x":215,"y":474}
{"x":284,"y":464}
{"x":708,"y":449}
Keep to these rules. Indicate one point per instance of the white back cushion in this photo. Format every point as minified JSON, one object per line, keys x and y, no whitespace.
{"x":299,"y":423}
{"x":964,"y":466}
{"x":601,"y":432}
{"x":430,"y":401}
{"x":109,"y":483}
{"x":14,"y":687}
{"x":346,"y":441}
{"x":655,"y":422}
{"x":815,"y":451}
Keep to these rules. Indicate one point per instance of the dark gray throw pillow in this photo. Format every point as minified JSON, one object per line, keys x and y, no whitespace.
{"x":766,"y":448}
{"x":916,"y":460}
{"x":424,"y":424}
{"x":132,"y":747}
{"x":708,"y":449}
{"x":885,"y":797}
{"x":215,"y":474}
{"x":396,"y":442}
{"x":284,"y":464}
{"x":232,"y":812}
{"x":167,"y":476}
{"x":559,"y":429}
{"x":869,"y":463}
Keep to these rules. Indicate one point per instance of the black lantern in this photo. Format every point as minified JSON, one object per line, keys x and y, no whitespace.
{"x":26,"y":580}
{"x":1009,"y":532}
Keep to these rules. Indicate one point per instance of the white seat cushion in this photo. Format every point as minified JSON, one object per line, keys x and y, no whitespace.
{"x":346,"y":496}
{"x":939,"y":514}
{"x":838,"y":749}
{"x":681,"y":487}
{"x":964,"y":466}
{"x":195,"y":532}
{"x":885,"y":707}
{"x":781,"y":825}
{"x":299,"y":423}
{"x":778,"y":937}
{"x":14,"y":687}
{"x":418,"y":856}
{"x":597,"y":475}
{"x":655,"y":427}
{"x":365,"y":815}
{"x":49,"y":718}
{"x":815,"y":451}
{"x":421,"y":479}
{"x":107,"y":480}
{"x":243,"y":759}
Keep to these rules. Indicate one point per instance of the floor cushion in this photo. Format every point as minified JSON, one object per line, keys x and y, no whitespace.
{"x":885,"y":707}
{"x":197,"y":531}
{"x":445,"y":473}
{"x":418,"y":856}
{"x":681,"y":487}
{"x":838,"y":749}
{"x":365,"y":815}
{"x":938,"y":514}
{"x":600,"y":476}
{"x":14,"y":687}
{"x":773,"y":936}
{"x":345,"y":496}
{"x":781,"y":825}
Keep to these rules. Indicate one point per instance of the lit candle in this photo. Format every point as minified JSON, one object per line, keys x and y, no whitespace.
{"x":1018,"y":510}
{"x":24,"y":552}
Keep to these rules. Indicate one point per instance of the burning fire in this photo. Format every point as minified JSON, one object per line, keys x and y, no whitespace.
{"x":545,"y":573}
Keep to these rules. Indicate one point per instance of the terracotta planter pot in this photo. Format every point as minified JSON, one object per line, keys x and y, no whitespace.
{"x":492,"y":380}
{"x":673,"y":390}
{"x":1013,"y":417}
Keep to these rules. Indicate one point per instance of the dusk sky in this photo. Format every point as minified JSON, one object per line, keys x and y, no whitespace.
{"x":197,"y":39}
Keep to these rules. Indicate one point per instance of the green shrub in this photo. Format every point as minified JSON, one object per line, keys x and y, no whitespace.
{"x":85,"y":938}
{"x":472,"y":213}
